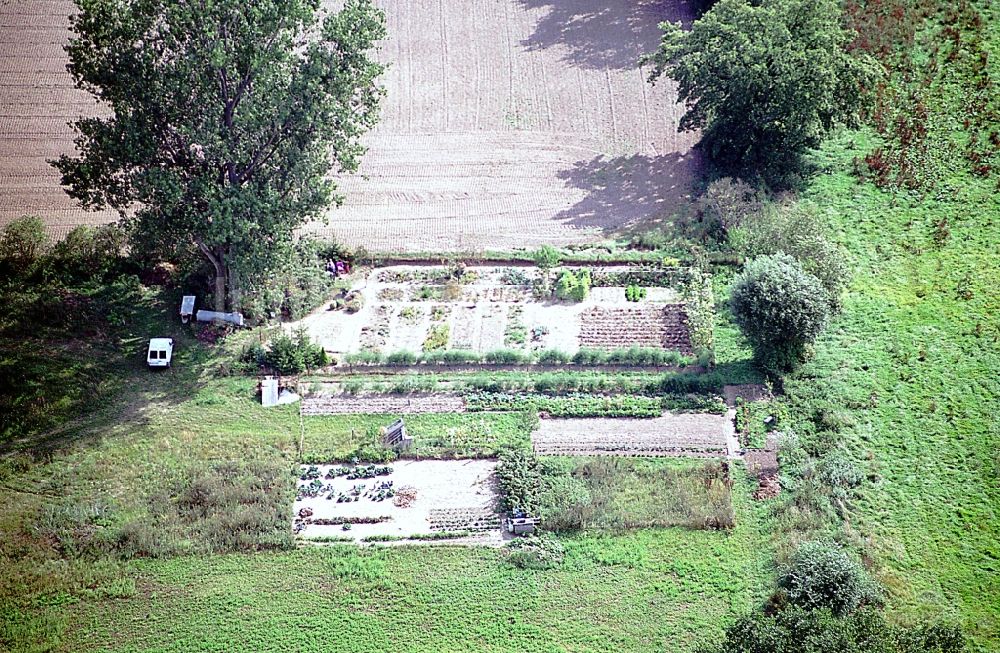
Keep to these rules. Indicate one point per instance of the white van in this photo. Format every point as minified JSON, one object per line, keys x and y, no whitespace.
{"x":161,"y":351}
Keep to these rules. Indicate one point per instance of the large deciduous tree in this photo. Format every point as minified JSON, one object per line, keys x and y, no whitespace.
{"x":225,"y":119}
{"x":763,"y":80}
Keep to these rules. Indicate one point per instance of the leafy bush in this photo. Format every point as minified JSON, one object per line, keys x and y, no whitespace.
{"x":573,"y":287}
{"x":85,"y":253}
{"x":838,"y":472}
{"x":780,"y":308}
{"x":796,"y":230}
{"x":451,"y":357}
{"x":546,"y":257}
{"x":23,"y":243}
{"x":537,"y":552}
{"x":519,"y":475}
{"x":796,"y":630}
{"x":294,"y":354}
{"x":437,"y":337}
{"x":505,"y":357}
{"x":401,"y":358}
{"x":515,"y":277}
{"x":365,"y":357}
{"x":296,"y":286}
{"x":822,"y":575}
{"x":634,"y":293}
{"x":572,"y":405}
{"x":553,"y":357}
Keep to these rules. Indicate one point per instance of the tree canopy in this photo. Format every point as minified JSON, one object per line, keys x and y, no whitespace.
{"x":780,"y":308}
{"x":763,"y":80}
{"x":225,"y":120}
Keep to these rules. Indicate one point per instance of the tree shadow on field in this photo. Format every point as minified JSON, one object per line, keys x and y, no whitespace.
{"x":604,"y":34}
{"x":626,"y":190}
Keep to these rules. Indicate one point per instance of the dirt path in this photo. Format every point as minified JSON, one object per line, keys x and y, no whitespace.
{"x":685,"y":434}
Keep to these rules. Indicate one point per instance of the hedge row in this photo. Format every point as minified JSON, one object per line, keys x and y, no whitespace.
{"x":647,"y":356}
{"x":572,"y":405}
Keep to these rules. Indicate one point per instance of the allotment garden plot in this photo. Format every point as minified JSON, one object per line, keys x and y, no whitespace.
{"x":423,"y":309}
{"x":424,"y":500}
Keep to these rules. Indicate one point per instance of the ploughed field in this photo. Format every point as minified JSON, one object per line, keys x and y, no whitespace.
{"x":514,"y":123}
{"x":505,"y":124}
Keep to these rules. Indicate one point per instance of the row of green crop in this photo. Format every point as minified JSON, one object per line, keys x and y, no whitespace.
{"x":678,"y":387}
{"x":637,"y":356}
{"x":572,"y":405}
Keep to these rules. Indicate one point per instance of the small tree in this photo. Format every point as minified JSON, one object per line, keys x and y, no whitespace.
{"x":780,"y":308}
{"x":764,"y":80}
{"x":823,"y":575}
{"x":546,"y":257}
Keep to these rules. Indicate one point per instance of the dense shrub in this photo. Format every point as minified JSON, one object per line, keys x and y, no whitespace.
{"x":798,"y":231}
{"x":573,"y":286}
{"x":726,"y":204}
{"x":401,"y":358}
{"x":796,"y":630}
{"x":519,"y":474}
{"x":546,"y":257}
{"x":634,"y":293}
{"x":292,"y":354}
{"x":505,"y":357}
{"x":294,"y":288}
{"x":822,"y":575}
{"x":780,"y":308}
{"x":85,"y":253}
{"x":572,"y":405}
{"x":538,"y":552}
{"x":22,"y":245}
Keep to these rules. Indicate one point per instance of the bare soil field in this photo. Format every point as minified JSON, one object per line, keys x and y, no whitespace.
{"x":37,"y":100}
{"x":507,"y":123}
{"x":686,"y":434}
{"x":430,"y":496}
{"x":514,"y":123}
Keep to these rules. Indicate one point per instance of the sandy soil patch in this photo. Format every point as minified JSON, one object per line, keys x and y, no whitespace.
{"x":684,"y":434}
{"x":449,"y":495}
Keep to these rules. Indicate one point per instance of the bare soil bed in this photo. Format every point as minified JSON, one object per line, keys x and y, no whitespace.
{"x":646,"y":325}
{"x":382,"y":404}
{"x":431,"y":496}
{"x":403,"y":303}
{"x":685,"y":434}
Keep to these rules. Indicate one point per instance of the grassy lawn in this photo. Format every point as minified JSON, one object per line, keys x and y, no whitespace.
{"x":655,"y":590}
{"x":912,"y":369}
{"x":331,"y":438}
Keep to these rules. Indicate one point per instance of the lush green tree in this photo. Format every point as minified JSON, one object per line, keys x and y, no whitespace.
{"x":764,"y":80}
{"x":796,"y":630}
{"x":797,"y":230}
{"x":822,"y":575}
{"x":225,"y":120}
{"x":780,"y":308}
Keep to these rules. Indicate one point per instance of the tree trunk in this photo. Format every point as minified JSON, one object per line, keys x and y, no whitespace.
{"x":217,"y":258}
{"x":220,"y":289}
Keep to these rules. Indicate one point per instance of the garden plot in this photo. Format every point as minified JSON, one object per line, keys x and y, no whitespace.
{"x":684,"y":434}
{"x":424,"y":308}
{"x":416,"y":498}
